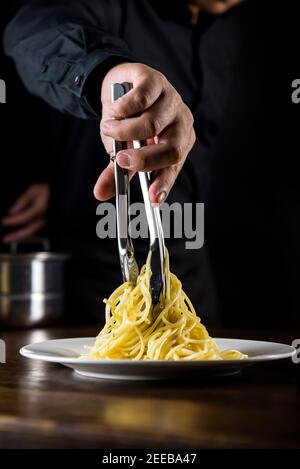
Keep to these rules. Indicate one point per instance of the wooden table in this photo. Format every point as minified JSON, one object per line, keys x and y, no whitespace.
{"x":47,"y":406}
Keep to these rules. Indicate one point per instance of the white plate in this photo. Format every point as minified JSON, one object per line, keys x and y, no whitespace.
{"x":66,"y":352}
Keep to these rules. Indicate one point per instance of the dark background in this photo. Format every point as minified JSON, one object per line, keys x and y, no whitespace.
{"x":27,"y":145}
{"x":253,"y":241}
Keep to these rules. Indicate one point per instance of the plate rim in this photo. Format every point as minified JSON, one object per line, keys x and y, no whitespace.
{"x":25,"y":352}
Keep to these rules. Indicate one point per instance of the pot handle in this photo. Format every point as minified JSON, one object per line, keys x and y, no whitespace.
{"x":44,"y":242}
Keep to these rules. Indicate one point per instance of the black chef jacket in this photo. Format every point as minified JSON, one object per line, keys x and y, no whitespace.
{"x":61,"y":51}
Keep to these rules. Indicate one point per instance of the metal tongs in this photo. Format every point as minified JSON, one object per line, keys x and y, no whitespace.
{"x":129,"y":267}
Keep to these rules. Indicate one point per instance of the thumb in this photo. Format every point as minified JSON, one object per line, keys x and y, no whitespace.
{"x":105,"y":186}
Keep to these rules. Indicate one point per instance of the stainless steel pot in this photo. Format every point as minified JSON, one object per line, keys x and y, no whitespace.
{"x":31,"y":288}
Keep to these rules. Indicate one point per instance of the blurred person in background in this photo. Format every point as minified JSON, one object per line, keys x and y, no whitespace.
{"x":25,"y":155}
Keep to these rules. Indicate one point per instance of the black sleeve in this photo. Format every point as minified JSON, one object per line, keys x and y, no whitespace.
{"x":57,"y":47}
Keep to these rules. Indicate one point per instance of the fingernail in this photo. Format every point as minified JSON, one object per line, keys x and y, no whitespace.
{"x":161,"y":196}
{"x":123,"y":159}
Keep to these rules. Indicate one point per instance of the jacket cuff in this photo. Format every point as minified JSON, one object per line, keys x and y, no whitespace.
{"x":83,"y":78}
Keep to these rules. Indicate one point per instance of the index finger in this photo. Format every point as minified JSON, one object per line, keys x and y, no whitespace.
{"x":144,"y":94}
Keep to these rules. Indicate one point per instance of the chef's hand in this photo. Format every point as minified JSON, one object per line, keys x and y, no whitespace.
{"x":28,"y":213}
{"x":157,"y":114}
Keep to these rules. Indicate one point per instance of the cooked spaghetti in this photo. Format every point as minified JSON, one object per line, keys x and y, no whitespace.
{"x":170,"y":330}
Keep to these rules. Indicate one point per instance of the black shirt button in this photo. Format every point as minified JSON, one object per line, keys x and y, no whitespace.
{"x":78,"y":80}
{"x":44,"y":68}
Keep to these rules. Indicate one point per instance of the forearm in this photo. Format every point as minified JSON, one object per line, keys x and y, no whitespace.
{"x":56,"y":49}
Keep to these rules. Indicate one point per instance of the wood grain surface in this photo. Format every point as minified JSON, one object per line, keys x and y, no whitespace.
{"x":48,"y":406}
